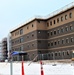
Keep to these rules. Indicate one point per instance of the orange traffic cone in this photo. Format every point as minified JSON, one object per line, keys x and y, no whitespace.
{"x":42,"y":72}
{"x":23,"y":68}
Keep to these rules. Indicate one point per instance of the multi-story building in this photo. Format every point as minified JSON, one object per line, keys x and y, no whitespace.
{"x":4,"y":49}
{"x":1,"y":52}
{"x":53,"y":35}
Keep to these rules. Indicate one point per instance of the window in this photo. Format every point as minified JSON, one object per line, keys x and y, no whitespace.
{"x":51,"y":33}
{"x":65,"y":17}
{"x":57,"y":20}
{"x":51,"y":43}
{"x":51,"y":23}
{"x":27,"y":36}
{"x":52,"y":53}
{"x":58,"y":31}
{"x":68,"y":52}
{"x":12,"y":34}
{"x":55,"y":54}
{"x":39,"y":41}
{"x":71,"y":27}
{"x":32,"y":35}
{"x":58,"y":41}
{"x":72,"y":39}
{"x":62,"y":41}
{"x":32,"y":44}
{"x":54,"y":21}
{"x":48,"y":33}
{"x":70,"y":15}
{"x":48,"y":44}
{"x":28,"y":46}
{"x":63,"y":53}
{"x":66,"y":28}
{"x":67,"y":40}
{"x":27,"y":27}
{"x":54,"y":32}
{"x":62,"y":30}
{"x":32,"y":25}
{"x":39,"y":32}
{"x":38,"y":21}
{"x":47,"y":24}
{"x":59,"y":53}
{"x":21,"y":39}
{"x":21,"y":48}
{"x":21,"y":31}
{"x":55,"y":43}
{"x":62,"y":18}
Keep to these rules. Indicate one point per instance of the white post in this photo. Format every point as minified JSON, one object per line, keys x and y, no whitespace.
{"x":11,"y":68}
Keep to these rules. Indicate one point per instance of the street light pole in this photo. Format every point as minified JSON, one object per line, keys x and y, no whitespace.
{"x":11,"y":67}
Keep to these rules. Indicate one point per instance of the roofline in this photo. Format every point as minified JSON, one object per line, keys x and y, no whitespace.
{"x":55,"y":13}
{"x":27,"y":22}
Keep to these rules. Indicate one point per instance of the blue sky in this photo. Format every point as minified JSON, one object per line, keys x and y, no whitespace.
{"x":15,"y":12}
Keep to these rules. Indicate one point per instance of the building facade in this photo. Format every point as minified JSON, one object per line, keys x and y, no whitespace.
{"x":4,"y":49}
{"x":53,"y":35}
{"x":1,"y":52}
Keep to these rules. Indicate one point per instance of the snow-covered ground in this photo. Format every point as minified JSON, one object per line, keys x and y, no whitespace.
{"x":34,"y":68}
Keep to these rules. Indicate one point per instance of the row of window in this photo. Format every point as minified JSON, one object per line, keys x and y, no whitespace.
{"x":21,"y":48}
{"x":21,"y":39}
{"x":61,"y":30}
{"x":21,"y":31}
{"x":62,"y":41}
{"x":60,"y":19}
{"x":59,"y":53}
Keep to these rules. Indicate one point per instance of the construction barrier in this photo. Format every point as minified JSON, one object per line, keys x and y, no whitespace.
{"x":23,"y":68}
{"x":42,"y":72}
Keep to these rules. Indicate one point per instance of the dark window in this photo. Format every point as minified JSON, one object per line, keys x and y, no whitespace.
{"x":32,"y":35}
{"x":57,"y":20}
{"x":54,"y":32}
{"x":21,"y":31}
{"x":62,"y":41}
{"x":67,"y":40}
{"x":65,"y":17}
{"x":52,"y":54}
{"x":55,"y":54}
{"x":51,"y":43}
{"x":72,"y":39}
{"x":39,"y":41}
{"x":71,"y":27}
{"x":38,"y":21}
{"x":50,"y":22}
{"x":48,"y":44}
{"x":47,"y":24}
{"x":32,"y":25}
{"x":55,"y":43}
{"x":66,"y":28}
{"x":51,"y":33}
{"x":70,"y":15}
{"x":63,"y":53}
{"x":62,"y":30}
{"x":48,"y":33}
{"x":54,"y":21}
{"x":68,"y":52}
{"x":62,"y":18}
{"x":58,"y":31}
{"x":32,"y":44}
